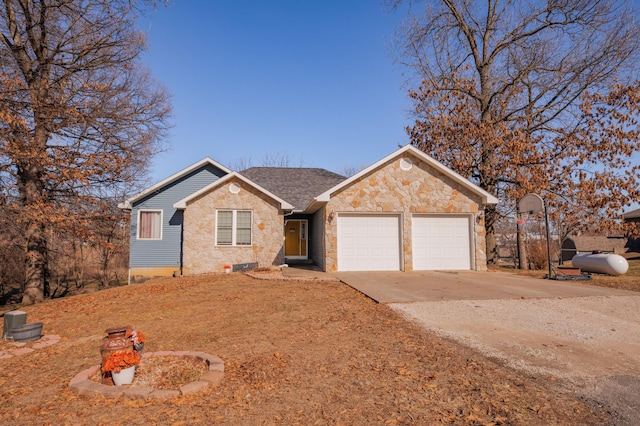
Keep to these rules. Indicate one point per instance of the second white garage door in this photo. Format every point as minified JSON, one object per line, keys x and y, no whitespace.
{"x":368,"y":242}
{"x":441,"y":242}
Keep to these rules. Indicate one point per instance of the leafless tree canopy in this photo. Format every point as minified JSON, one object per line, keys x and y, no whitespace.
{"x":528,"y":95}
{"x":79,"y":115}
{"x":269,"y":159}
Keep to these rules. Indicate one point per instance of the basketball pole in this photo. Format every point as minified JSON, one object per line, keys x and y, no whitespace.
{"x":546,"y":225}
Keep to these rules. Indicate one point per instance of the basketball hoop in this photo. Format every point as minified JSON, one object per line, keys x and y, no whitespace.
{"x":528,"y":205}
{"x":532,"y":204}
{"x":521,"y":218}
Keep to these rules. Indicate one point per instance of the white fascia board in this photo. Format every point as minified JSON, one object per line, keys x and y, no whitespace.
{"x":312,"y":207}
{"x":182,"y":204}
{"x":487,"y":198}
{"x":127,"y":204}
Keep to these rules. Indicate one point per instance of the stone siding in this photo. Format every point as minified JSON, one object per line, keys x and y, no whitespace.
{"x":390,"y":189}
{"x":202,"y":255}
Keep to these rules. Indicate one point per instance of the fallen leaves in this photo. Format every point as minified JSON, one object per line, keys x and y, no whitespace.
{"x":335,"y":357}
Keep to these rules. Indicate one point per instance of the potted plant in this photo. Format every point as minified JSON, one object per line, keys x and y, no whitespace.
{"x":227,"y":268}
{"x":120,"y":352}
{"x":122,"y":365}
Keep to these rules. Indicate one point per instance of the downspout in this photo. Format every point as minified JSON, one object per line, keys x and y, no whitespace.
{"x":181,"y":244}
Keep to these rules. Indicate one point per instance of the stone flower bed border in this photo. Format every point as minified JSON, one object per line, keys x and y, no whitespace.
{"x":277,"y":274}
{"x":83,"y":385}
{"x":23,"y":348}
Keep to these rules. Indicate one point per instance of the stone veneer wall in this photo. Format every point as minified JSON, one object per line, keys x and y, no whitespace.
{"x":422,"y":189}
{"x":201,"y":255}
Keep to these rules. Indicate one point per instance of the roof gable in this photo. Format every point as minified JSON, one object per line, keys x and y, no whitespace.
{"x":163,"y":183}
{"x":487,"y":198}
{"x":633,"y":214}
{"x":297,"y":185}
{"x":182,"y":204}
{"x":297,"y":189}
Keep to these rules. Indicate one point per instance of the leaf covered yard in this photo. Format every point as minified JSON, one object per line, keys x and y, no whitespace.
{"x":295,"y":353}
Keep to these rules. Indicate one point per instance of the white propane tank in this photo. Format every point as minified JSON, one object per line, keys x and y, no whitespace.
{"x":602,"y":263}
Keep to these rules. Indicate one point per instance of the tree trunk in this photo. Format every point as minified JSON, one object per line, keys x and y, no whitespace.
{"x":36,"y":282}
{"x":36,"y":286}
{"x":104,"y":268}
{"x":31,"y":186}
{"x":491,"y":218}
{"x":522,"y":249}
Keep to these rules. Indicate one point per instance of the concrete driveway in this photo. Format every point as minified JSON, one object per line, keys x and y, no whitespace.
{"x":390,"y":287}
{"x":587,"y":337}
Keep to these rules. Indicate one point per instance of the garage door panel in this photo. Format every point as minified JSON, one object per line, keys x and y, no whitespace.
{"x":441,"y":243}
{"x":368,"y":243}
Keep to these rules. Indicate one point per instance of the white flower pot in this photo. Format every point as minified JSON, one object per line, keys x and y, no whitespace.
{"x":123,"y":377}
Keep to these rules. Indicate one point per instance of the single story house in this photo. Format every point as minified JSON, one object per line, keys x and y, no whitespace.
{"x":405,"y":212}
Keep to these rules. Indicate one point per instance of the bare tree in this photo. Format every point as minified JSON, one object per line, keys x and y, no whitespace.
{"x":508,"y":90}
{"x":110,"y":238}
{"x":351,"y":170}
{"x":268,"y":160}
{"x":78,"y":112}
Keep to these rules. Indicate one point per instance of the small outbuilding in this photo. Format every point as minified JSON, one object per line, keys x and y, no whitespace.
{"x":633,"y":217}
{"x":575,"y":244}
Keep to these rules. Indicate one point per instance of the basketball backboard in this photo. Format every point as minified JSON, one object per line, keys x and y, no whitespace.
{"x":531,"y":203}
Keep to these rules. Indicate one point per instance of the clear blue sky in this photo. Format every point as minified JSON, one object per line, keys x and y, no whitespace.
{"x":312,"y":80}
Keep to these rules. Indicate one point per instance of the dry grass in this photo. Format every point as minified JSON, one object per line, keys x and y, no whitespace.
{"x":295,"y":353}
{"x":628,"y":281}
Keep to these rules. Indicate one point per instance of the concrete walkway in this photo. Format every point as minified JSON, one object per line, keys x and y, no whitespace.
{"x":398,"y":287}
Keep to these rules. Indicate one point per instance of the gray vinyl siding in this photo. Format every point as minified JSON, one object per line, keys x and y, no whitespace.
{"x":167,"y":251}
{"x":317,"y":242}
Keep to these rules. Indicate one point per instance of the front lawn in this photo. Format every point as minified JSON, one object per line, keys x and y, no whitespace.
{"x":295,"y":353}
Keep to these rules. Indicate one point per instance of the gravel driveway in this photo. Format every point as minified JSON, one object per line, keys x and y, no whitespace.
{"x":590,"y":343}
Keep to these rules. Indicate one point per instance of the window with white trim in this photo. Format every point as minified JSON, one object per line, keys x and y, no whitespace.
{"x":233,"y":227}
{"x":149,"y":224}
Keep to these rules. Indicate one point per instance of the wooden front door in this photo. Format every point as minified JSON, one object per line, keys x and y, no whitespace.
{"x":295,"y":240}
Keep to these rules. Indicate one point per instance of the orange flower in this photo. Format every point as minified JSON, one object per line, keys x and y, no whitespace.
{"x":138,"y":337}
{"x":119,"y":360}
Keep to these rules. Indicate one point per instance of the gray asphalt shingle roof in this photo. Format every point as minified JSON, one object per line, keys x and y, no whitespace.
{"x":296,"y":185}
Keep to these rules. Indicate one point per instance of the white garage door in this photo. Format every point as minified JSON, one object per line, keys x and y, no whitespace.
{"x":368,"y":243}
{"x":441,"y":242}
